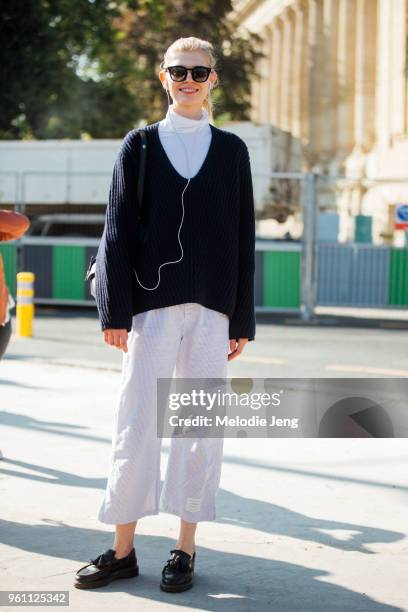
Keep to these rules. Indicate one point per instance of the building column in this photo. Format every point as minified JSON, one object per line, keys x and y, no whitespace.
{"x":305,"y":76}
{"x":405,"y":71}
{"x":265,"y":91}
{"x":346,"y":79}
{"x":384,"y":72}
{"x":276,"y":71}
{"x":329,"y":82}
{"x":299,"y":69}
{"x":315,"y":62}
{"x":366,"y":60}
{"x":398,"y":66}
{"x":287,"y":71}
{"x":256,"y":91}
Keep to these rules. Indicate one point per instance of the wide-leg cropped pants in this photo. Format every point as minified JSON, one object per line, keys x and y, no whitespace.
{"x":193,"y":341}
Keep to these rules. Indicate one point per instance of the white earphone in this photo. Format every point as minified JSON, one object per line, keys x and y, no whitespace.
{"x":182,"y":202}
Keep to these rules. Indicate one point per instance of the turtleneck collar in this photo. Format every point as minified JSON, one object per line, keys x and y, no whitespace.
{"x":184,"y":124}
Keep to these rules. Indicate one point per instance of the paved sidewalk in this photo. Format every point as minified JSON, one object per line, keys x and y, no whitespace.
{"x":312,"y":525}
{"x":396,"y":314}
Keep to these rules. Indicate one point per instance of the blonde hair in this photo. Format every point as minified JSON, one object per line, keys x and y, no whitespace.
{"x":192,"y":43}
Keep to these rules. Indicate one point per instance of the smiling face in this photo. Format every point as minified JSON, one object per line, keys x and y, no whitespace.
{"x":189,"y":92}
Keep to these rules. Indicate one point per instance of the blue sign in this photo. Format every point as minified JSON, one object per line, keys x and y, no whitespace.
{"x":401,"y":216}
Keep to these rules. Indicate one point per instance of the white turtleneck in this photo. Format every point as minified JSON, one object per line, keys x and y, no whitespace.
{"x":196,"y":135}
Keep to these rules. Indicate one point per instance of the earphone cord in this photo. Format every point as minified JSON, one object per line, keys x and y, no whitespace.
{"x":182,"y":202}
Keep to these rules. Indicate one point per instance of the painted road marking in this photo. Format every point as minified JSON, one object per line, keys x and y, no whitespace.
{"x":367,"y":370}
{"x":254,"y":359}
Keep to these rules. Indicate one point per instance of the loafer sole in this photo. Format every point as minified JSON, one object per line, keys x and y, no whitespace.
{"x":93,"y":584}
{"x":175,"y":588}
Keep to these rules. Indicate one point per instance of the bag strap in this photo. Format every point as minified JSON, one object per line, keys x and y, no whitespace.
{"x":141,"y":175}
{"x":90,"y":273}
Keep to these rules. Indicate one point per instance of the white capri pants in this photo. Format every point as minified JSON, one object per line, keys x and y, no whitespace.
{"x":194,"y":341}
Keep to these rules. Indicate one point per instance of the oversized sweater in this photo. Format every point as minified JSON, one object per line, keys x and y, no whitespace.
{"x":218,"y":235}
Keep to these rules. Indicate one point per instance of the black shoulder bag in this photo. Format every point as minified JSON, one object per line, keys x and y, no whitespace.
{"x":140,"y":229}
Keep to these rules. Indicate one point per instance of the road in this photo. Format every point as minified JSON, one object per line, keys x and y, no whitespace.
{"x":305,"y":524}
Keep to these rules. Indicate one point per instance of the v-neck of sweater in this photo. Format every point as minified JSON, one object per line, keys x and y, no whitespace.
{"x":166,"y":160}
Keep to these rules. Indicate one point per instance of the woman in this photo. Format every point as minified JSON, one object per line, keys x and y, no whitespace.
{"x":185,"y":303}
{"x":12,"y":226}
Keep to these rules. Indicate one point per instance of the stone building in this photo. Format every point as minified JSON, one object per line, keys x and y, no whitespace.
{"x":335,"y":76}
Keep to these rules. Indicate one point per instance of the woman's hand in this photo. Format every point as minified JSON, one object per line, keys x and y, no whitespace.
{"x":236,"y":347}
{"x":117,"y":338}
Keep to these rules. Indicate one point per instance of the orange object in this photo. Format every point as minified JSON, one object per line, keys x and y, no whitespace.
{"x":12,"y":225}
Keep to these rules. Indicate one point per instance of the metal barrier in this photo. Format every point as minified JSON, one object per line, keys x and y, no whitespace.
{"x":292,"y":276}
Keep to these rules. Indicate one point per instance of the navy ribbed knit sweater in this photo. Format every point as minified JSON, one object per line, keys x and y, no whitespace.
{"x":218,"y":235}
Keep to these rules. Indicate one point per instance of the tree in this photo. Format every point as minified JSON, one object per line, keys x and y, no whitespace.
{"x":151,"y":26}
{"x":74,"y":67}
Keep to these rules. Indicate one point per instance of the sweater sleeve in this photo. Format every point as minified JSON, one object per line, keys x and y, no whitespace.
{"x":113,"y":277}
{"x":242,"y":323}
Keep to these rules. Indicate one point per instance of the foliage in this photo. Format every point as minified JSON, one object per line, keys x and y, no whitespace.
{"x":89,"y":68}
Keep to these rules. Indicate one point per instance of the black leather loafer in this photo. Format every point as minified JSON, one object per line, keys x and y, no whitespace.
{"x":105,"y":568}
{"x":178,"y":573}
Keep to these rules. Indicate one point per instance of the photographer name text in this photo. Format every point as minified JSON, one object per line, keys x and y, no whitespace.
{"x":237,"y":421}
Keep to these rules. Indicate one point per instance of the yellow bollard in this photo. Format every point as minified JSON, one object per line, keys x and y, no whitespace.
{"x":25,"y":304}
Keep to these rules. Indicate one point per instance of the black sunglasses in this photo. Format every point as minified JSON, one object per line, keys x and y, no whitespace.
{"x":179,"y":73}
